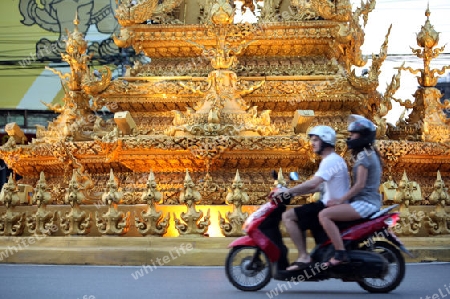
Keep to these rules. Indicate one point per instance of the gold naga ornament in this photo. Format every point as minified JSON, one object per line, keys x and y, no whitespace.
{"x":193,"y":224}
{"x":438,"y":220}
{"x":237,"y":197}
{"x":12,"y":223}
{"x":75,"y":222}
{"x":151,"y":221}
{"x":113,"y":222}
{"x":43,"y":221}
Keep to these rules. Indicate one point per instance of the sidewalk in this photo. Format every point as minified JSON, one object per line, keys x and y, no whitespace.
{"x":180,"y":251}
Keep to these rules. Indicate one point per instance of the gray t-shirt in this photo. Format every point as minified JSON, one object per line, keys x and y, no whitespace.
{"x":369,"y":159}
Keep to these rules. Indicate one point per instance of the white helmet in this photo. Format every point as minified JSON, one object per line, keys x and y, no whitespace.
{"x":325,"y":133}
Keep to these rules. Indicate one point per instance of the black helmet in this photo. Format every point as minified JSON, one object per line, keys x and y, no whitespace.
{"x":365,"y":128}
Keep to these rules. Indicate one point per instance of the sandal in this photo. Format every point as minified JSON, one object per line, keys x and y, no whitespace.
{"x":299,"y":266}
{"x":340,"y":258}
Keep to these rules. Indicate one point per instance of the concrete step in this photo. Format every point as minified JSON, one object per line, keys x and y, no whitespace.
{"x":157,"y":251}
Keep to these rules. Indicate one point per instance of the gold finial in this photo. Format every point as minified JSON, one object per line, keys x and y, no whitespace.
{"x":404,"y":177}
{"x":222,"y":13}
{"x":237,"y":178}
{"x":428,"y":12}
{"x":74,"y":175}
{"x":42,"y":177}
{"x":187,"y":177}
{"x":151,"y":176}
{"x":280,"y":179}
{"x":111,"y":175}
{"x":438,"y":177}
{"x":76,"y":21}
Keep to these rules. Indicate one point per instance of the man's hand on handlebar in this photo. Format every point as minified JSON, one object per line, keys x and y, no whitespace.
{"x":280,"y":195}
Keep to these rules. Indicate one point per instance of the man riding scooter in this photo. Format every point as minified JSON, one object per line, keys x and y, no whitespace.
{"x":333,"y":175}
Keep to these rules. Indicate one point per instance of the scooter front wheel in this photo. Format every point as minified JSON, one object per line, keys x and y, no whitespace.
{"x":248,"y":268}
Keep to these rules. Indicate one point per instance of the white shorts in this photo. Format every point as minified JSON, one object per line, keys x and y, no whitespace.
{"x":363,"y":208}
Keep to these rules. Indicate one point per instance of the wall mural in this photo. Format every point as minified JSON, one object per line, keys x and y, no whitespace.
{"x":57,"y":16}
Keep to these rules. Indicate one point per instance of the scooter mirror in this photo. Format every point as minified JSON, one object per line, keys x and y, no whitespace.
{"x":293,"y":176}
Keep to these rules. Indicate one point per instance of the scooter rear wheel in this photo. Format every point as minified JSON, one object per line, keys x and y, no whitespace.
{"x":248,"y":268}
{"x":395,"y":271}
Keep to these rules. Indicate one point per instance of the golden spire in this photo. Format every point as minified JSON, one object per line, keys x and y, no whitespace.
{"x":237,"y":178}
{"x":280,"y":179}
{"x":151,"y":176}
{"x":187,"y":178}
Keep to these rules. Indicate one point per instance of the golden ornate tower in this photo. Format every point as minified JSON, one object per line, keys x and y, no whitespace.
{"x":220,"y":99}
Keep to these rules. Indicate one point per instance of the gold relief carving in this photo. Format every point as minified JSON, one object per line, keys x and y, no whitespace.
{"x":10,"y":145}
{"x":151,"y":221}
{"x":377,"y":105}
{"x":95,"y":83}
{"x":125,"y":38}
{"x":388,"y":190}
{"x":11,"y":223}
{"x":231,"y":225}
{"x":351,"y":35}
{"x":75,"y":122}
{"x":15,"y":132}
{"x":383,"y":105}
{"x":43,"y":221}
{"x":42,"y":193}
{"x":438,"y":220}
{"x":113,"y":222}
{"x":328,"y":10}
{"x":391,"y":151}
{"x":222,"y":98}
{"x":211,"y":192}
{"x":193,"y":224}
{"x":408,"y":193}
{"x":131,"y":12}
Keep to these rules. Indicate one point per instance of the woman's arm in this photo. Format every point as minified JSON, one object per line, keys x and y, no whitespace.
{"x":361,"y":177}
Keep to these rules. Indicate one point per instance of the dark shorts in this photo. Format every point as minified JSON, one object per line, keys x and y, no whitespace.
{"x":308,"y":219}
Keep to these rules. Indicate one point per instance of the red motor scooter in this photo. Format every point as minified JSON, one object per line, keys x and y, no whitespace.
{"x":376,"y":262}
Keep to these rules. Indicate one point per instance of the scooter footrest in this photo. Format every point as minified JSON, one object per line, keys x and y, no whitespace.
{"x":312,"y":272}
